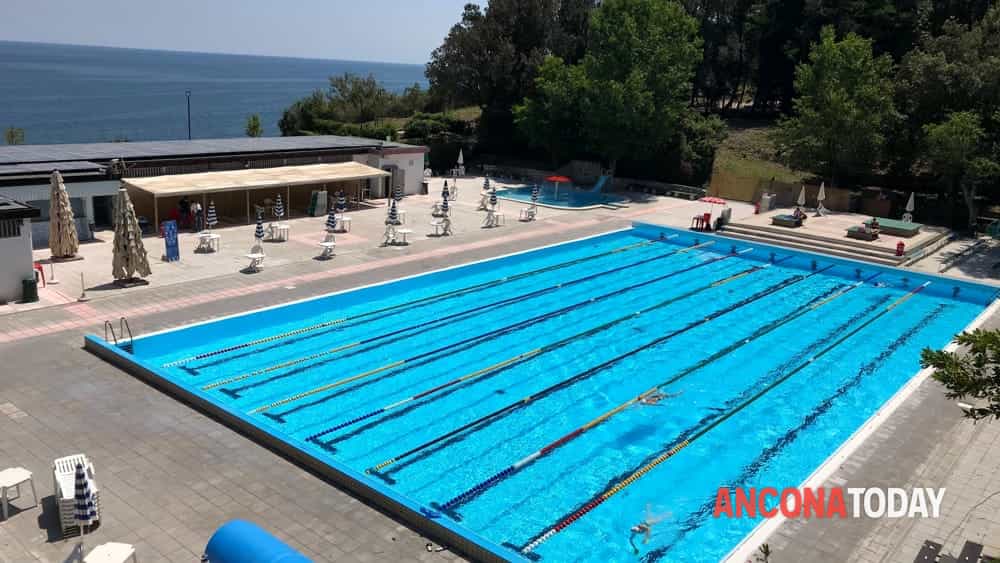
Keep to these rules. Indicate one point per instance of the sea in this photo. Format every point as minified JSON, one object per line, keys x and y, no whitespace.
{"x":79,"y":94}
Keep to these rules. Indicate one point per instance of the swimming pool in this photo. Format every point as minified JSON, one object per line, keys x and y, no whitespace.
{"x":561,"y":196}
{"x":510,"y":400}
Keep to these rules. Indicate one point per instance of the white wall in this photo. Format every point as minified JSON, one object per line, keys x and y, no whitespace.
{"x":15,"y":256}
{"x":412,"y":166}
{"x":83,"y":190}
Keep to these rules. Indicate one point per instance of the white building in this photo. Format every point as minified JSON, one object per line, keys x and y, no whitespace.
{"x":16,"y":263}
{"x":93,"y":171}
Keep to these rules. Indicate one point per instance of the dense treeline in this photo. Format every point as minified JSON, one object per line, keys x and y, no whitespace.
{"x":862,"y":90}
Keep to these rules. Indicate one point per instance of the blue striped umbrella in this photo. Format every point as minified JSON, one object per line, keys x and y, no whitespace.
{"x":84,"y":511}
{"x":534,"y":194}
{"x":331,"y":220}
{"x":444,"y":205}
{"x":211,"y":219}
{"x":445,"y":194}
{"x":341,"y":202}
{"x":486,"y":183}
{"x":397,"y":193}
{"x":279,"y":208}
{"x":393,"y":217}
{"x":493,"y":197}
{"x":259,"y":231}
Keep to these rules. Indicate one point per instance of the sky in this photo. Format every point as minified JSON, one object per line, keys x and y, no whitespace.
{"x":403,"y":31}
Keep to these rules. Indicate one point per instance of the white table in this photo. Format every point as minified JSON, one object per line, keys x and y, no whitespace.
{"x":209,"y":242}
{"x":111,"y":553}
{"x":327,"y":246}
{"x":404,"y":232}
{"x":345,"y":223}
{"x":279,"y":231}
{"x":439,"y":227}
{"x":13,"y":478}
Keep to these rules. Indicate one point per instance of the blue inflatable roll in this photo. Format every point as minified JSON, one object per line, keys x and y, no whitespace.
{"x":239,"y":541}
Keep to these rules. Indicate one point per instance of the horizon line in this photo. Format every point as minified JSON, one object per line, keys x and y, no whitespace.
{"x":194,"y":52}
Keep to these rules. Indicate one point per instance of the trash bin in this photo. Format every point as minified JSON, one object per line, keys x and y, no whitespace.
{"x":425,"y":187}
{"x":29,"y":289}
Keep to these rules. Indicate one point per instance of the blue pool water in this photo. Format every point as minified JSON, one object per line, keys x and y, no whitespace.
{"x":562,"y":197}
{"x":580,"y":328}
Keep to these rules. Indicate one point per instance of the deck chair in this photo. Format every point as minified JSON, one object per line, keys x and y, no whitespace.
{"x":442,"y":226}
{"x":256,"y":257}
{"x":436,"y":210}
{"x":64,"y":487}
{"x":389,"y":238}
{"x":328,"y":244}
{"x":528,"y":213}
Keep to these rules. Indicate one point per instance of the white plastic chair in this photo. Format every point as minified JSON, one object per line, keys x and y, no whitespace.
{"x":328,"y":244}
{"x":256,"y":257}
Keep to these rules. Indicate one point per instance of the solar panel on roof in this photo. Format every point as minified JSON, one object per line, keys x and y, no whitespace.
{"x":37,"y":167}
{"x":20,"y":154}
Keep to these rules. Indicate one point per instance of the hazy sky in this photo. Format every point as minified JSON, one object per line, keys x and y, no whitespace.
{"x":403,"y":31}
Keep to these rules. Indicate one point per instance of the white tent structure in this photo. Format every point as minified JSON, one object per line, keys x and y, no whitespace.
{"x":63,"y":241}
{"x":129,"y":260}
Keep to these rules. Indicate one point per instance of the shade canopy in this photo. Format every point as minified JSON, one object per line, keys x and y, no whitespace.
{"x":559,"y":179}
{"x":234,"y":180}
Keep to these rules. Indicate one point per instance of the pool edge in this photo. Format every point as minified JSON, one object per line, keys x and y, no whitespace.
{"x":404,"y":510}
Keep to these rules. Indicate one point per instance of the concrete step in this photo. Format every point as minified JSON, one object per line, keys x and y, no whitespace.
{"x":800,"y":234}
{"x":819,"y":245}
{"x":800,"y":246}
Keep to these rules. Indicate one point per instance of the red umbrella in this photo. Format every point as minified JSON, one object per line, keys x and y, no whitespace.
{"x":558,"y":179}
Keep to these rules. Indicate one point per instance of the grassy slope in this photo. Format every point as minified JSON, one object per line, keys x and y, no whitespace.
{"x":749,"y":152}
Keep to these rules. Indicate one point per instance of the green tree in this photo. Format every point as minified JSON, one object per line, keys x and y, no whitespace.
{"x":14,"y":136}
{"x":253,"y":127}
{"x":843,"y":108}
{"x":357,"y":99}
{"x":956,"y":152}
{"x":551,"y":118}
{"x":972,"y":372}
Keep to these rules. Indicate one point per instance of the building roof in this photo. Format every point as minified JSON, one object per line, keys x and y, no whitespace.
{"x":48,"y":167}
{"x":12,"y":209}
{"x":253,"y":178}
{"x":22,"y":154}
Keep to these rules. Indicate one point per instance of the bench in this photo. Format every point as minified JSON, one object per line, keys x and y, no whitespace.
{"x":861,"y":233}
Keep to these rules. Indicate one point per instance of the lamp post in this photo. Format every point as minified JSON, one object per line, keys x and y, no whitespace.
{"x":188,"y":94}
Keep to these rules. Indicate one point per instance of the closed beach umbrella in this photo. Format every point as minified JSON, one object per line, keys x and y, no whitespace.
{"x":63,"y":241}
{"x":128,"y":253}
{"x":802,"y":196}
{"x":445,"y":194}
{"x":331,"y":220}
{"x":486,"y":184}
{"x":393,"y":217}
{"x":84,"y":511}
{"x":534,"y":194}
{"x":397,"y":193}
{"x":211,"y":218}
{"x":444,"y":202}
{"x":822,"y":193}
{"x":461,"y":158}
{"x":493,"y":197}
{"x":279,"y":208}
{"x":341,"y":202}
{"x":258,"y":232}
{"x":910,"y":204}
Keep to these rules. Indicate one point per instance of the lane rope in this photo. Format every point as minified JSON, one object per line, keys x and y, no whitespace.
{"x":439,"y":320}
{"x":682,"y":443}
{"x":480,"y":337}
{"x":474,"y":491}
{"x":531,"y":353}
{"x":587,"y":373}
{"x":416,"y":302}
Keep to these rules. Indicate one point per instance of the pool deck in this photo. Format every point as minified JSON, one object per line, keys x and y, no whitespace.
{"x":169,"y":475}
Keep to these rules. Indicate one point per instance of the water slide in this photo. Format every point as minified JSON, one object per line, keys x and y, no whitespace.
{"x":599,"y":186}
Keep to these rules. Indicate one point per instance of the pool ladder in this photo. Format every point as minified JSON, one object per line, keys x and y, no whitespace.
{"x":123,"y":330}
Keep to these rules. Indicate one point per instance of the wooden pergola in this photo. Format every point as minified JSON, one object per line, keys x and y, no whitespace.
{"x":204,"y":184}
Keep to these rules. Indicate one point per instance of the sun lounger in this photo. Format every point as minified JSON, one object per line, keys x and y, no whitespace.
{"x":786,"y":221}
{"x":64,"y":487}
{"x":861,"y":233}
{"x":897,"y":228}
{"x":928,"y":553}
{"x":256,"y":257}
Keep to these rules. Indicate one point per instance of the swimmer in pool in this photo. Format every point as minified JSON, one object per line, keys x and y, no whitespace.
{"x":645,"y":528}
{"x":654,"y":398}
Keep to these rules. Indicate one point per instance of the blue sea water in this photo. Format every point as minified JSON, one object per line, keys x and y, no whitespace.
{"x":71,"y":94}
{"x":391,"y":377}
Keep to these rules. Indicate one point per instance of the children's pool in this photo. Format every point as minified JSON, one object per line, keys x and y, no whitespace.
{"x":544,"y":403}
{"x":561,"y":196}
